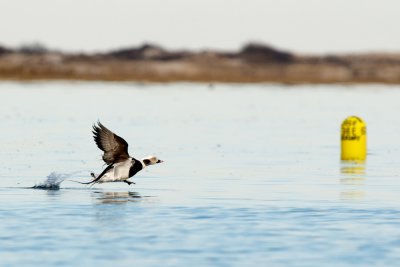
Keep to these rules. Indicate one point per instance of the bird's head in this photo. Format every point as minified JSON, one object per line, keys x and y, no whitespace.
{"x":151,"y":160}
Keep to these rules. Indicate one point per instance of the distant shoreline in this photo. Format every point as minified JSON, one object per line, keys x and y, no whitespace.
{"x":254,"y":63}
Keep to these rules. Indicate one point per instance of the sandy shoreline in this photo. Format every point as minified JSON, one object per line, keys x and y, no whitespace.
{"x":253,"y":64}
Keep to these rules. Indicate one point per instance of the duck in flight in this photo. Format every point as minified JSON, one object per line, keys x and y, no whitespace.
{"x":120,"y":166}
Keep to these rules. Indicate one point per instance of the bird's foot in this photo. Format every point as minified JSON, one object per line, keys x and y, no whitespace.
{"x":92,"y":174}
{"x":128,"y":182}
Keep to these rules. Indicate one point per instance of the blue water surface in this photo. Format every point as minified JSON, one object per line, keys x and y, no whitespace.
{"x":252,"y":176}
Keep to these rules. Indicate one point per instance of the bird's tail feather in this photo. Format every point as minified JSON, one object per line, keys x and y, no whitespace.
{"x":91,"y":182}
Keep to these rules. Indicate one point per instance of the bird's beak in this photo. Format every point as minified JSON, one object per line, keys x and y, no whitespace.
{"x":160,"y":161}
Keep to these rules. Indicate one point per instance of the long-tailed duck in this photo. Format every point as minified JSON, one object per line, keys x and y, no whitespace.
{"x":120,"y":166}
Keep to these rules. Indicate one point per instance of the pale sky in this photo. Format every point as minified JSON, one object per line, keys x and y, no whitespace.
{"x":305,"y":26}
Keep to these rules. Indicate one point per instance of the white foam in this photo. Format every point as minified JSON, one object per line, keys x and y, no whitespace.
{"x":53,"y":180}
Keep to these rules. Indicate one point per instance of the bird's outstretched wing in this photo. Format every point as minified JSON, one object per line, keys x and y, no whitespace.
{"x":115,"y":148}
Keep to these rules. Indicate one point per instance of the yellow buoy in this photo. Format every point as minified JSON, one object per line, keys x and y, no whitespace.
{"x":354,"y":139}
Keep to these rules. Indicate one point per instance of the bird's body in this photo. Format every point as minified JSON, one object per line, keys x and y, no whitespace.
{"x":120,"y":166}
{"x":122,"y":171}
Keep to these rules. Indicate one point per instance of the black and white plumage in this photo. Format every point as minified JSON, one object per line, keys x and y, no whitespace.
{"x":120,"y":166}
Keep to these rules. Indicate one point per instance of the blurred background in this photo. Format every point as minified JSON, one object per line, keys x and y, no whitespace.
{"x":259,"y":41}
{"x":306,"y":26}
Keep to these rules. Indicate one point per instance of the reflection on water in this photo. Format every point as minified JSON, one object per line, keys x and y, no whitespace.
{"x":352,"y":180}
{"x":354,"y":168}
{"x":116,"y":197}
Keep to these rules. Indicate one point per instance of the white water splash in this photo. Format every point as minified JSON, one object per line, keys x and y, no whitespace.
{"x":53,"y":180}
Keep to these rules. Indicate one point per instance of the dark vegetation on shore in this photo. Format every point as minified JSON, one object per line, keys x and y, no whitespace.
{"x":253,"y":63}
